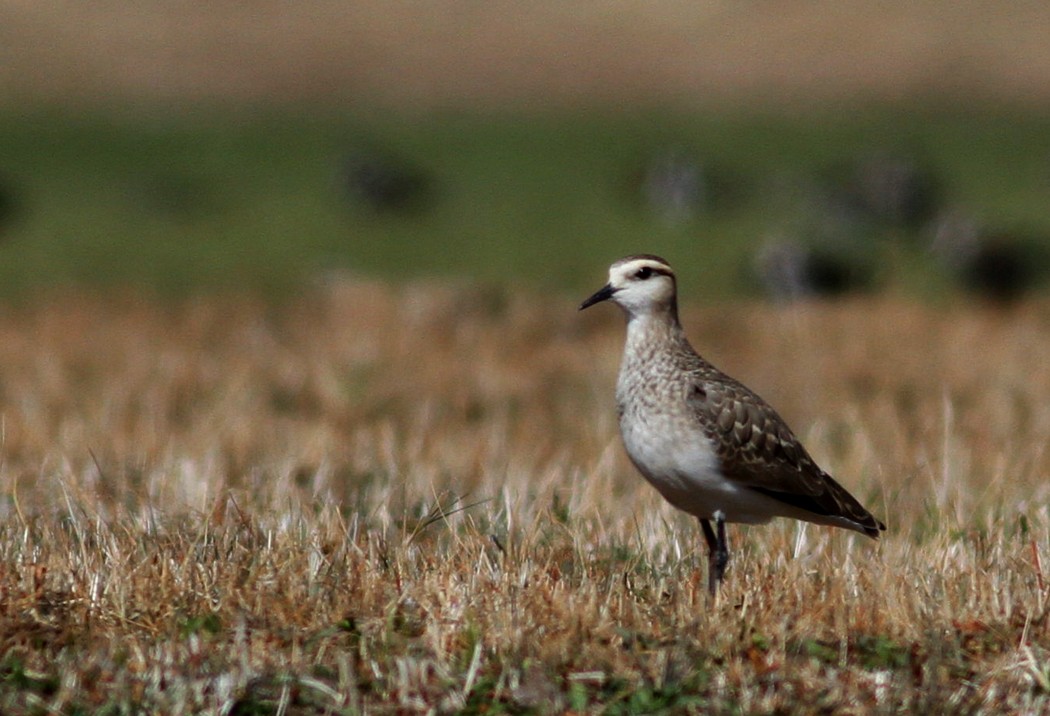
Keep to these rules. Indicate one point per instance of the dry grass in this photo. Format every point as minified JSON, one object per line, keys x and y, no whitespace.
{"x":414,"y":500}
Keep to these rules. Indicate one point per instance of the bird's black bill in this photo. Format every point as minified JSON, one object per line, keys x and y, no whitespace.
{"x":602,"y":294}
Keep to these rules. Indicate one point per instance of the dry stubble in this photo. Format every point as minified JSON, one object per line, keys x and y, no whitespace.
{"x":405,"y":499}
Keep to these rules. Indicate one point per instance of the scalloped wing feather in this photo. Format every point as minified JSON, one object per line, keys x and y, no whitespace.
{"x":758,"y":450}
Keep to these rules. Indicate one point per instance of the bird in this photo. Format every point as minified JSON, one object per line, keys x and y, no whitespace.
{"x":709,"y":445}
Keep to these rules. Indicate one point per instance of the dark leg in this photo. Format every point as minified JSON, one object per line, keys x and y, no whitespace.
{"x":717,"y":551}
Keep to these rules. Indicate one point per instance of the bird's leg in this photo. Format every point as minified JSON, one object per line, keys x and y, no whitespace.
{"x":717,"y":550}
{"x":722,"y":553}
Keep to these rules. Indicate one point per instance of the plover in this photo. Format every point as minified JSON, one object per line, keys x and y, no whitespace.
{"x":706,"y":442}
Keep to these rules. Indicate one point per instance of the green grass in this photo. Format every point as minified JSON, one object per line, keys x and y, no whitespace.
{"x":183,"y":202}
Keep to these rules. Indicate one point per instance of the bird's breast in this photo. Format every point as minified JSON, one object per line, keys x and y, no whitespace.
{"x":665,"y":442}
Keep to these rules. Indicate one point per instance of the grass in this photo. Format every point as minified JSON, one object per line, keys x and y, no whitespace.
{"x":371,"y":500}
{"x":181,"y":202}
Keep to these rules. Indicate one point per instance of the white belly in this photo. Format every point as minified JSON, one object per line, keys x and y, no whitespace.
{"x":681,"y":463}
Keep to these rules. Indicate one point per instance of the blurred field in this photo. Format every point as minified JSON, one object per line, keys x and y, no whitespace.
{"x":225,"y":145}
{"x":188,"y":201}
{"x":413,"y":500}
{"x":458,"y":53}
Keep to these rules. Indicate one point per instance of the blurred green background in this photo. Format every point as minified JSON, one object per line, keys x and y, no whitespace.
{"x":781,"y":150}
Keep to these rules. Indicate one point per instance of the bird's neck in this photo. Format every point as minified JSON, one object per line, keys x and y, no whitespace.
{"x":653,"y":332}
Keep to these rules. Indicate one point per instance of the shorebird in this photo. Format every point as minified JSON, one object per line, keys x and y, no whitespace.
{"x":711,"y":446}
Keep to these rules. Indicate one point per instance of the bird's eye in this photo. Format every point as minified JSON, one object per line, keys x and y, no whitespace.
{"x":643,"y":273}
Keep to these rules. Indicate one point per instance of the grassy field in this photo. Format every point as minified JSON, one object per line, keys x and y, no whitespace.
{"x":414,"y":500}
{"x":268,"y":446}
{"x":179,"y":202}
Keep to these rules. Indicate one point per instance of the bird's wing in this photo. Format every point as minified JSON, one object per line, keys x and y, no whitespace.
{"x":758,"y":450}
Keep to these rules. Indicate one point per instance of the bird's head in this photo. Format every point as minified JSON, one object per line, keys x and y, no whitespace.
{"x":639,"y":284}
